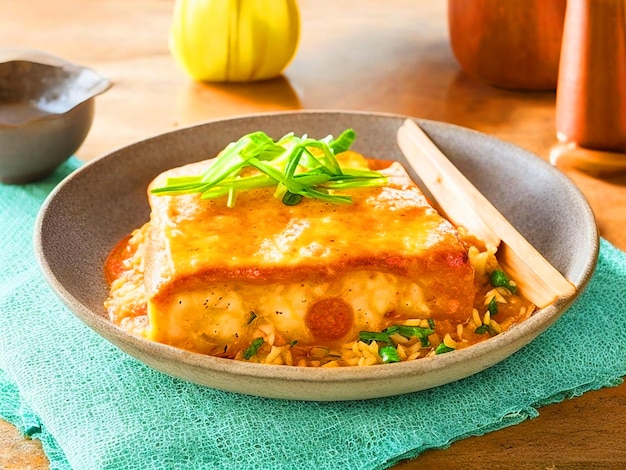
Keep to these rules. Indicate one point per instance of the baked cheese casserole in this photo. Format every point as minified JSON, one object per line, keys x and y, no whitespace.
{"x":383,"y":278}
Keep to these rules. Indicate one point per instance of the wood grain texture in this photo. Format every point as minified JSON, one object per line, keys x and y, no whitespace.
{"x":464,"y":205}
{"x":391,"y":56}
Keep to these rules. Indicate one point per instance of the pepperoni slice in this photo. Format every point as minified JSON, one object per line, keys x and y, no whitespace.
{"x":329,"y":319}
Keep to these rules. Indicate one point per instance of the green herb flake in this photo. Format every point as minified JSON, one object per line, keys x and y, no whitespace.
{"x":407,"y":331}
{"x":442,"y":349}
{"x":500,"y":279}
{"x":415,"y":331}
{"x":253,"y":348}
{"x":371,"y":336}
{"x":389,"y":354}
{"x":481,"y":330}
{"x":425,"y":342}
{"x":492,"y":308}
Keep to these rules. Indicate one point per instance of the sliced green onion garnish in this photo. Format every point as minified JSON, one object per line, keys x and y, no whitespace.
{"x":253,"y":348}
{"x":388,"y":351}
{"x":289,"y":164}
{"x":343,"y":142}
{"x":369,"y":336}
{"x":407,"y":331}
{"x":291,"y":199}
{"x":414,"y":331}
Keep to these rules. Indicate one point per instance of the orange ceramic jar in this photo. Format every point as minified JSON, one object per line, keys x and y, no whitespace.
{"x":508,"y":43}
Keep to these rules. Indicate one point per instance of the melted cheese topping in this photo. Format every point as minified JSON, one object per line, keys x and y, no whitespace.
{"x":208,"y":278}
{"x":389,"y":255}
{"x":260,"y":239}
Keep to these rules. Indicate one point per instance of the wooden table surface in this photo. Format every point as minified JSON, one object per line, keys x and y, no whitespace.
{"x":391,"y":56}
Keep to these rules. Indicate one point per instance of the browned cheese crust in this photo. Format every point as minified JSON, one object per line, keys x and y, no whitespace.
{"x":198,"y":246}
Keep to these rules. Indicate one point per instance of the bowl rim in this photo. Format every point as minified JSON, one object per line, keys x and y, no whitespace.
{"x":536,"y":324}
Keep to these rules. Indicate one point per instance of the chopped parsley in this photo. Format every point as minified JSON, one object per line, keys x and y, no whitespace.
{"x":492,"y":307}
{"x":482,"y":329}
{"x":442,"y":348}
{"x":499,"y":278}
{"x":389,"y":354}
{"x":388,"y":351}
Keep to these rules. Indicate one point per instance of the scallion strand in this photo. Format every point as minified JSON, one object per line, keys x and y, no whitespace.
{"x":289,"y":164}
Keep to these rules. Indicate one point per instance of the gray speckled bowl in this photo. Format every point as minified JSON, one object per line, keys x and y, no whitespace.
{"x":103,"y":201}
{"x":46,"y":111}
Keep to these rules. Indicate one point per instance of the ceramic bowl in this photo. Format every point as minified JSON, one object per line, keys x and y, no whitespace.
{"x":91,"y":210}
{"x":46,"y":111}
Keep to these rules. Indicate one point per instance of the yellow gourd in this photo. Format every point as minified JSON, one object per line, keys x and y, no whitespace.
{"x":234,"y":40}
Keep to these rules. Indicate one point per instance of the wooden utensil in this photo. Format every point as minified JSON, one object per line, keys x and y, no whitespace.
{"x":464,"y":205}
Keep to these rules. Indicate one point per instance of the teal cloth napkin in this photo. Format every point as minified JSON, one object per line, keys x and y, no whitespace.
{"x":94,"y":407}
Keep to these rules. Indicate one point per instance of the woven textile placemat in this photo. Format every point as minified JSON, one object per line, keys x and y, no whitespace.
{"x":93,"y":407}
